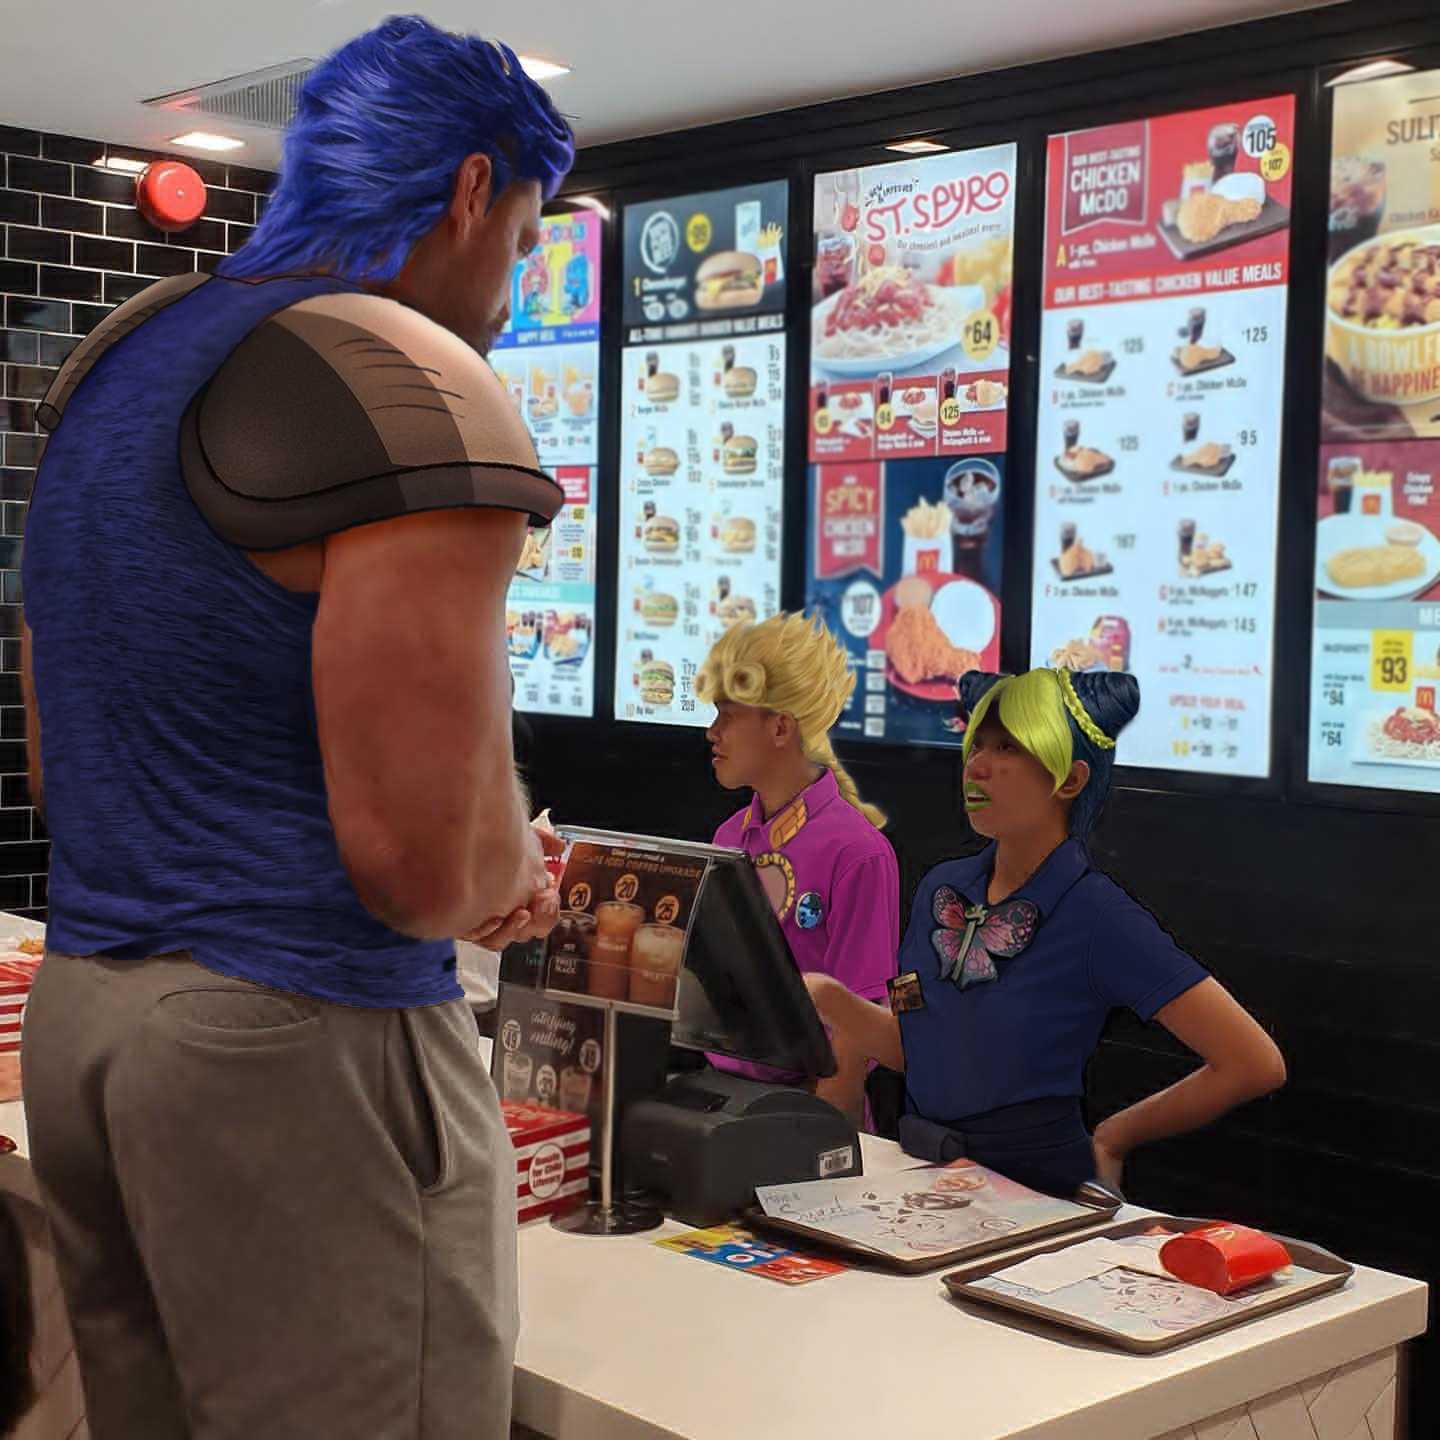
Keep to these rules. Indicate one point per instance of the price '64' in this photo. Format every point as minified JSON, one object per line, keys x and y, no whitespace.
{"x":980,"y":335}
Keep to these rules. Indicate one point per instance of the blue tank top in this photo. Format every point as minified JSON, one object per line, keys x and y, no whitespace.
{"x":184,"y":791}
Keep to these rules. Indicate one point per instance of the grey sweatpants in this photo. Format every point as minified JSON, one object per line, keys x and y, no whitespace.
{"x":274,"y":1218}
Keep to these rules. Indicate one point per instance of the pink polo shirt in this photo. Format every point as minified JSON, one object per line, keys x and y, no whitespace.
{"x":833,"y":880}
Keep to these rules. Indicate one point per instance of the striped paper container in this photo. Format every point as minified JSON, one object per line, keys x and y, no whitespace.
{"x":552,"y":1158}
{"x":16,"y":973}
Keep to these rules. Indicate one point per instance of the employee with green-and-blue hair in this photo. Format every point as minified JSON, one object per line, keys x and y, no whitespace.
{"x":1014,"y":958}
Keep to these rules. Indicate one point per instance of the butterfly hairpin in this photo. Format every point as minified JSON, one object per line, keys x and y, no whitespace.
{"x":971,"y":936}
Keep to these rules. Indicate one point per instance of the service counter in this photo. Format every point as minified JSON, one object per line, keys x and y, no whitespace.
{"x":622,"y":1340}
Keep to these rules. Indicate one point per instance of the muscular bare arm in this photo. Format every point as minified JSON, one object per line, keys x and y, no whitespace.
{"x":412,"y":698}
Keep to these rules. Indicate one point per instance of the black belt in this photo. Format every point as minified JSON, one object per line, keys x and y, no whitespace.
{"x":1040,"y":1143}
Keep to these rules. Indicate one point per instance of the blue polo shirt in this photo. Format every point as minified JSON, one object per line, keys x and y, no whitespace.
{"x":1028,"y":1034}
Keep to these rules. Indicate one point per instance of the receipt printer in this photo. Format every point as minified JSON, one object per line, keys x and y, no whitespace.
{"x":708,"y":1139}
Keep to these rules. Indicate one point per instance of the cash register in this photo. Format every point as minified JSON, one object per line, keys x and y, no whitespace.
{"x":709,"y":1138}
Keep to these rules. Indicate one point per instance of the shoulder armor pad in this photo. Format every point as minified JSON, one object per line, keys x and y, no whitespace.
{"x":346,"y":409}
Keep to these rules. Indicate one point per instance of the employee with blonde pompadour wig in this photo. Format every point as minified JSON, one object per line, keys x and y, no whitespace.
{"x":778,"y":687}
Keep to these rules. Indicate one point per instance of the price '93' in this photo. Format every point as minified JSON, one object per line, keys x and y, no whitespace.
{"x":1391,"y":659}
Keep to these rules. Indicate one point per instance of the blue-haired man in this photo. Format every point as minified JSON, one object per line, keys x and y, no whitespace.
{"x":265,"y":578}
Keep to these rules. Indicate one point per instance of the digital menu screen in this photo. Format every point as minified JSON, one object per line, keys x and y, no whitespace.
{"x":1375,"y":654}
{"x":548,"y":360}
{"x":702,"y":437}
{"x":904,"y":568}
{"x":910,"y":318}
{"x":1159,"y":422}
{"x":909,"y":398}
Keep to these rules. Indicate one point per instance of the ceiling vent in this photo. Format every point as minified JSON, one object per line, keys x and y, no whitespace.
{"x":266,"y":99}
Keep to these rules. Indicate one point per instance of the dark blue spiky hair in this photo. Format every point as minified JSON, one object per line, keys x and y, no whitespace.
{"x":381,"y":130}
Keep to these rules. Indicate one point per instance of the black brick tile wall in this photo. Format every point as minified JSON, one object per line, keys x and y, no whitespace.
{"x":72,"y":246}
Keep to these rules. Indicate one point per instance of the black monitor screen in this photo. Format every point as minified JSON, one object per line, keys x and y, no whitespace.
{"x":741,"y":993}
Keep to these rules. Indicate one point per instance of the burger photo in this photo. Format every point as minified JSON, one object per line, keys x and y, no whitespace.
{"x":737,"y":535}
{"x":735,"y":610}
{"x":657,"y":608}
{"x":661,"y":460}
{"x":729,"y":280}
{"x":662,"y":535}
{"x":739,"y":455}
{"x":739,"y":382}
{"x":662,"y":387}
{"x":657,"y":682}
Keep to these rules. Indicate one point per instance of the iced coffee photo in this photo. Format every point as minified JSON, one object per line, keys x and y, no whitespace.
{"x":570,"y":944}
{"x":516,"y":1073}
{"x":655,"y":955}
{"x":616,"y":922}
{"x":575,"y":1087}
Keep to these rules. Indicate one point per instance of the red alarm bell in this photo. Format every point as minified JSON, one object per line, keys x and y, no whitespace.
{"x":170,"y":195}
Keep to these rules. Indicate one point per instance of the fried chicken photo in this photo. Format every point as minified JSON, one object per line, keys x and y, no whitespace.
{"x":1088,"y":362}
{"x":919,"y":649}
{"x":1204,"y":214}
{"x":1206,"y":456}
{"x":1084,"y":460}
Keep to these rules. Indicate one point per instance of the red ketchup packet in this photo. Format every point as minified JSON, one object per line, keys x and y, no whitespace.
{"x":1223,"y":1258}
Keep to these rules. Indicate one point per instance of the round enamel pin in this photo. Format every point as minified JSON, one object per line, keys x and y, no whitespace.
{"x":809,"y":910}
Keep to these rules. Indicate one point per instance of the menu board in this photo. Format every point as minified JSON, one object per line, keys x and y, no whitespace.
{"x":1159,"y":422}
{"x":904,"y":567}
{"x":1375,"y":654}
{"x":909,"y":397}
{"x":702,"y":438}
{"x":910,"y":318}
{"x":548,"y":360}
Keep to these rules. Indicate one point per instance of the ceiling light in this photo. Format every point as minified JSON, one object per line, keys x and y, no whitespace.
{"x":1374,"y":70}
{"x":124,"y":165}
{"x":204,"y":140}
{"x":538,"y":69}
{"x":918,"y":147}
{"x":589,"y":202}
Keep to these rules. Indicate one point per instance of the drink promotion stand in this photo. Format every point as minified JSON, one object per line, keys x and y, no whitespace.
{"x":681,"y":934}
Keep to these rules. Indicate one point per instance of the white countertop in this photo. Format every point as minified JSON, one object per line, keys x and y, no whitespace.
{"x":621,"y":1340}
